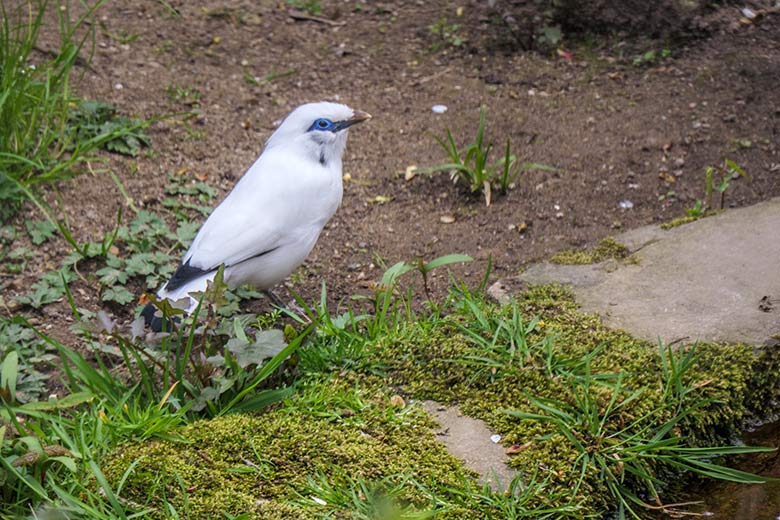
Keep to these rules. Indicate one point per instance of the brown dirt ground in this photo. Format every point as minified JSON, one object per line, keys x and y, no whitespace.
{"x":611,"y":128}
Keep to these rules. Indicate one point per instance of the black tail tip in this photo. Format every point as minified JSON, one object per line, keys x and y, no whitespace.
{"x":156,"y":321}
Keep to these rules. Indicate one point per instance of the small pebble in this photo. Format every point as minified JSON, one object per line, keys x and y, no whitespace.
{"x":495,"y":438}
{"x":439,"y":109}
{"x":626,"y":204}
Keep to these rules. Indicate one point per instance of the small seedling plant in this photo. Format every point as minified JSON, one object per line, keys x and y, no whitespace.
{"x":726,"y":173}
{"x":471,"y":164}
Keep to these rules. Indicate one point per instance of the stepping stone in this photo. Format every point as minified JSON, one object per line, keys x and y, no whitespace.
{"x":470,"y":440}
{"x":715,"y":279}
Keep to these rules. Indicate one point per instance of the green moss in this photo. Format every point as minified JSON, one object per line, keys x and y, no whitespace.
{"x":679,"y":221}
{"x":605,"y":249}
{"x":259,"y":465}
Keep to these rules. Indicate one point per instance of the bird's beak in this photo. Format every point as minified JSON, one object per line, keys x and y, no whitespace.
{"x":358,"y":116}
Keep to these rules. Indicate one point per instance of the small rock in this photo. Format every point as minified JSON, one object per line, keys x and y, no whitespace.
{"x":447,"y":219}
{"x":498,"y":292}
{"x":439,"y":109}
{"x":626,"y":204}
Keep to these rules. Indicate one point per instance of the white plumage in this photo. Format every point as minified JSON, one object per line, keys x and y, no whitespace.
{"x":270,"y":221}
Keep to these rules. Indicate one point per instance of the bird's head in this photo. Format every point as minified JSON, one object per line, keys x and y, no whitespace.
{"x":319,"y":129}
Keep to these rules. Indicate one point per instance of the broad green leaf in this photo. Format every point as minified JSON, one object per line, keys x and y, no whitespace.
{"x":394,"y":272}
{"x":267,"y":343}
{"x":69,"y":401}
{"x":117,"y":294}
{"x":68,"y":462}
{"x":446,"y":260}
{"x":40,"y":231}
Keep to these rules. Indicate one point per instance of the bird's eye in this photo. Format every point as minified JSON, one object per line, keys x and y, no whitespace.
{"x":322,"y":124}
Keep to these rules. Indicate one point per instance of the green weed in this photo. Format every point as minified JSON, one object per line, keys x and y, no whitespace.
{"x":650,"y":57}
{"x":119,"y":134}
{"x":313,"y":7}
{"x":727,"y":172}
{"x":447,"y":34}
{"x":471,"y":165}
{"x":184,"y":94}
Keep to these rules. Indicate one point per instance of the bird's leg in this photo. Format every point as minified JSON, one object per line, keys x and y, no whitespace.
{"x":292,"y":306}
{"x":274,"y":298}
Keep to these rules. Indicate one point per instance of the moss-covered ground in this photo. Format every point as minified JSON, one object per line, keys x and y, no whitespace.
{"x":680,"y":221}
{"x":598,"y":420}
{"x":605,"y":249}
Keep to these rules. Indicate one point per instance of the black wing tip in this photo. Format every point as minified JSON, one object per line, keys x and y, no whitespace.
{"x":155,"y":322}
{"x":185,"y":273}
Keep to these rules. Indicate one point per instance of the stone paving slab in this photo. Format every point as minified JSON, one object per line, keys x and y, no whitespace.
{"x":716,"y":279}
{"x":469,"y":440}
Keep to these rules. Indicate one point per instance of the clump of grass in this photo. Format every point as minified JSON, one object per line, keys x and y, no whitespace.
{"x":471,"y":165}
{"x":35,"y":104}
{"x":42,"y":137}
{"x":605,"y":249}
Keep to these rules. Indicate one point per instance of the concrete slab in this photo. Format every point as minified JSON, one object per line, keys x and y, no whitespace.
{"x":469,"y":440}
{"x":714,"y":279}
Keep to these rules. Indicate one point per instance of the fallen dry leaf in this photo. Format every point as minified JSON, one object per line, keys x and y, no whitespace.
{"x":380,"y":199}
{"x":517,"y":448}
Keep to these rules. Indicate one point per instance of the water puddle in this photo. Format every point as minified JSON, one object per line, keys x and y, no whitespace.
{"x":724,"y":500}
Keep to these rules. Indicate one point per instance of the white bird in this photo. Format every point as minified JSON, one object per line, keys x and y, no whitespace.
{"x":270,"y":221}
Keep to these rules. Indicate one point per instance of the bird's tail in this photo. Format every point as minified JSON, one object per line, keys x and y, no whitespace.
{"x":156,"y":321}
{"x":153,"y":316}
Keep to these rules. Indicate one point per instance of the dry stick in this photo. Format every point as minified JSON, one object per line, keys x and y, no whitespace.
{"x":301,"y":16}
{"x":431,"y":77}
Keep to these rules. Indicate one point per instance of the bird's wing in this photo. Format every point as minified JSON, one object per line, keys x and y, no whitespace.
{"x":264,"y":211}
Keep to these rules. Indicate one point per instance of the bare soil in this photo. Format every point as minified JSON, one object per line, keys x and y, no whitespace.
{"x":615,"y":131}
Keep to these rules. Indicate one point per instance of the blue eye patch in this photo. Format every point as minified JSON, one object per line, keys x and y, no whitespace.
{"x":326,"y":125}
{"x":322,"y":124}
